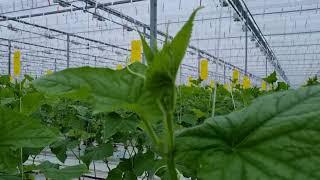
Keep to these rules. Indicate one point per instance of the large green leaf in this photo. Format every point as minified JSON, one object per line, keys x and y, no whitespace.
{"x":114,"y":123}
{"x":115,"y":174}
{"x":146,"y":162}
{"x":26,"y":152}
{"x":97,"y":153}
{"x":60,"y":148}
{"x":47,"y":165}
{"x":31,"y":102}
{"x":9,"y":160}
{"x":9,"y":177}
{"x":123,"y":171}
{"x":67,"y":173}
{"x":18,"y":130}
{"x":277,"y":137}
{"x":107,"y":89}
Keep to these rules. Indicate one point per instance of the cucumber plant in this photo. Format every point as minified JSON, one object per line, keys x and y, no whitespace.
{"x":276,"y":137}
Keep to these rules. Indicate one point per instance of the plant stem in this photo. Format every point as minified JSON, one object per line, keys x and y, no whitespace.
{"x":94,"y":169}
{"x":21,"y":163}
{"x":170,"y":156}
{"x":167,"y":109}
{"x":172,"y":167}
{"x":214,"y":96}
{"x":150,"y":131}
{"x":20,"y":110}
{"x":234,"y":104}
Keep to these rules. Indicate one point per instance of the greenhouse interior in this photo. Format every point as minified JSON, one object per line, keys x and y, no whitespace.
{"x":159,"y":89}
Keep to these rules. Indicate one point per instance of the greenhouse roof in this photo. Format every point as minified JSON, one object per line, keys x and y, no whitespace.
{"x":281,"y":35}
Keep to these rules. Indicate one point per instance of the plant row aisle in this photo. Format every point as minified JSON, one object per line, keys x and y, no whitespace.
{"x":166,"y":130}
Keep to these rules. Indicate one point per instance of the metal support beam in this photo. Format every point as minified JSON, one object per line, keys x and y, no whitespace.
{"x":153,"y":24}
{"x":9,"y":58}
{"x":242,"y":10}
{"x":246,"y":51}
{"x":141,"y":24}
{"x":144,"y":61}
{"x":55,"y":65}
{"x":224,"y":74}
{"x":65,"y":33}
{"x":68,"y":10}
{"x":266,"y":66}
{"x":68,"y":51}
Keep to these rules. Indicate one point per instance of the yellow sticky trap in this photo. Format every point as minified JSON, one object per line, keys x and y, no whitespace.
{"x":119,"y":67}
{"x":17,"y":63}
{"x":235,"y":76}
{"x":49,"y":72}
{"x":189,"y":81}
{"x":212,"y":83}
{"x":246,"y":82}
{"x":136,"y":50}
{"x":204,"y":69}
{"x":264,"y":86}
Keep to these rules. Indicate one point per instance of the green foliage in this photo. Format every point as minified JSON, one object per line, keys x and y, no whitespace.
{"x":282,"y":86}
{"x":161,"y":74}
{"x":31,"y":102}
{"x":114,"y":123}
{"x":149,"y":92}
{"x":97,"y":153}
{"x":9,"y":177}
{"x":194,"y":104}
{"x":18,"y":130}
{"x":147,"y":50}
{"x":275,"y":138}
{"x":141,"y":107}
{"x":59,"y":148}
{"x":109,"y":91}
{"x":272,"y":78}
{"x":136,"y":166}
{"x":275,"y":84}
{"x":53,"y":172}
{"x":312,"y":81}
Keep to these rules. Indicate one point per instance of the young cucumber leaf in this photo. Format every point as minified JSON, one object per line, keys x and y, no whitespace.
{"x":122,"y":171}
{"x":277,"y":137}
{"x":61,"y":147}
{"x":97,"y":153}
{"x":161,"y":74}
{"x":147,"y":50}
{"x":272,"y":78}
{"x":146,"y":162}
{"x":114,"y":123}
{"x":26,"y":152}
{"x":18,"y":130}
